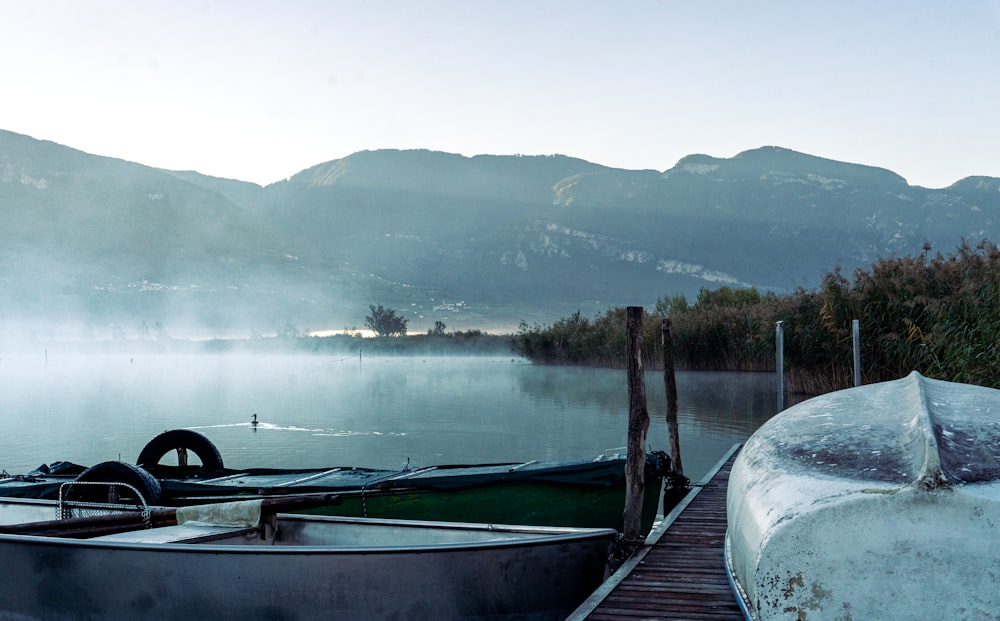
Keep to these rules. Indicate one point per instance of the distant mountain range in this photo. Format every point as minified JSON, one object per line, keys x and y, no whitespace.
{"x":92,"y":246}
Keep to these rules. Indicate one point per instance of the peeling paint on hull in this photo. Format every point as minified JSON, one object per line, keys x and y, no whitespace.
{"x":877,"y":502}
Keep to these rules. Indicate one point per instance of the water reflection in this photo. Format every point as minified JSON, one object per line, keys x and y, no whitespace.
{"x":323,"y":411}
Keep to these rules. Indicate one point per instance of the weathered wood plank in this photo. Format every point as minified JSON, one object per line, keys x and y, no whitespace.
{"x":682,"y":575}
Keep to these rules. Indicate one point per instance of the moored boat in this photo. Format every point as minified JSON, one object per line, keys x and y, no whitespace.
{"x":586,"y":493}
{"x":876,"y":502}
{"x":251,"y":565}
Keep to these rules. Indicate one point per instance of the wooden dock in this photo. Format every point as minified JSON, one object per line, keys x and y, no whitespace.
{"x":679,"y":572}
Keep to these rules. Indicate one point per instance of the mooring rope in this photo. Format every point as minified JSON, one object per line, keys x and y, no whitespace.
{"x":394,"y":473}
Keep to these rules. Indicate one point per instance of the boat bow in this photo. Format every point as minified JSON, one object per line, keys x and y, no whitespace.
{"x":873,"y":502}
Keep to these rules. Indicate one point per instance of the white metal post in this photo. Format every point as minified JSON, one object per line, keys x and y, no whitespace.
{"x":857,"y":352}
{"x":780,"y":357}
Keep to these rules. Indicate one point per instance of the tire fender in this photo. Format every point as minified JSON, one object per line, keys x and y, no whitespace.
{"x":114,"y":472}
{"x":178,"y":440}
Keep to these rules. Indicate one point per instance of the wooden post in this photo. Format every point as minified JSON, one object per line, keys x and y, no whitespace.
{"x":670,"y":382}
{"x":638,"y":425}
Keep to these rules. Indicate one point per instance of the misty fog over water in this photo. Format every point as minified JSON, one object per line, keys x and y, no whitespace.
{"x":317,"y":411}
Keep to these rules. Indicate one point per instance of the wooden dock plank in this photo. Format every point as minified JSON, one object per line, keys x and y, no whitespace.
{"x":680,"y":574}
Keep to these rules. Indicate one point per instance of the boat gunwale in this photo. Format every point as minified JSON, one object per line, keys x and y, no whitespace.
{"x":533,"y":536}
{"x":742,"y":599}
{"x":592,"y":473}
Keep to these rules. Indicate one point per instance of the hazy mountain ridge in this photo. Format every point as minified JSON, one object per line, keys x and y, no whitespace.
{"x":475,"y":242}
{"x":511,"y":177}
{"x":105,"y":241}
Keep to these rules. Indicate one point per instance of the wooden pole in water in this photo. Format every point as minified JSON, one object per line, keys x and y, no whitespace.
{"x":670,"y":382}
{"x":638,"y":424}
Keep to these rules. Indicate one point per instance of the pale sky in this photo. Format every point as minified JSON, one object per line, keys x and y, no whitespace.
{"x":258,"y":91}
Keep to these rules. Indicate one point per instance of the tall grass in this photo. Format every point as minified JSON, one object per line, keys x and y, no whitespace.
{"x":939,"y":315}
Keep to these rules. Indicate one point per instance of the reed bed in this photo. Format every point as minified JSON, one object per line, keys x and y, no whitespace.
{"x":936,"y":314}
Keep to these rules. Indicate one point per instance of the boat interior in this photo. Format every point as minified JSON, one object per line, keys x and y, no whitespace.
{"x":263,"y":529}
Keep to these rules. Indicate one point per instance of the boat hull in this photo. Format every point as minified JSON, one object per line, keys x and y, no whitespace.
{"x":429,"y":571}
{"x":900,"y":558}
{"x":538,"y":504}
{"x":582,"y":493}
{"x":877,"y":502}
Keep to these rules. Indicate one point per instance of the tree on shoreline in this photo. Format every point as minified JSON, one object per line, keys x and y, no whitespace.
{"x":385,"y":322}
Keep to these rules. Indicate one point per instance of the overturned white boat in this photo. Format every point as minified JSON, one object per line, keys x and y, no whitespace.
{"x":877,"y":502}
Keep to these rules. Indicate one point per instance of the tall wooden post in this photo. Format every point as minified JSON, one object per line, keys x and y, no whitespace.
{"x":670,"y":382}
{"x":638,"y":425}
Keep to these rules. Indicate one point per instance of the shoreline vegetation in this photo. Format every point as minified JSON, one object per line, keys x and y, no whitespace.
{"x":467,"y":343}
{"x":936,"y":314}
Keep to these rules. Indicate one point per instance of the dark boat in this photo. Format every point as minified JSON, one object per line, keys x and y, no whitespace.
{"x":586,"y":493}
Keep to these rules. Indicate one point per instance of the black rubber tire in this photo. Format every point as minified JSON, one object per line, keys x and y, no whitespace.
{"x":176,"y":439}
{"x":114,"y":472}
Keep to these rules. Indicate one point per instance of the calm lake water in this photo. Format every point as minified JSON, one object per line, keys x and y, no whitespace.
{"x":376,"y":412}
